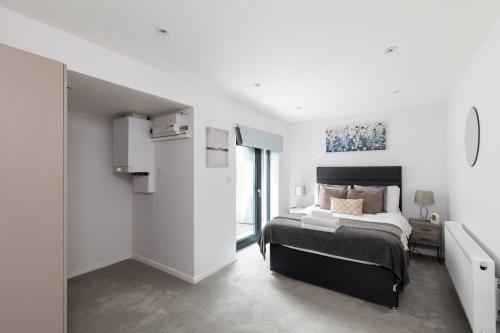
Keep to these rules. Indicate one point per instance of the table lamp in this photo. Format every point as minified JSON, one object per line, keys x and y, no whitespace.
{"x":424,"y":199}
{"x":300,"y":191}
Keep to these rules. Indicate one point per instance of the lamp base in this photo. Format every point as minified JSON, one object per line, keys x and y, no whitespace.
{"x":426,"y":217}
{"x":299,"y":202}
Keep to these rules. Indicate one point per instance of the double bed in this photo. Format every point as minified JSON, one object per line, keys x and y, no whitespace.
{"x":361,"y":262}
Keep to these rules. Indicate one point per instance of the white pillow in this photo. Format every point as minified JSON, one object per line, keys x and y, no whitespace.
{"x":392,"y":199}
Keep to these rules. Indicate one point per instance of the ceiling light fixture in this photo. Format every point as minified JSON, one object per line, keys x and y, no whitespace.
{"x":162,"y":31}
{"x":391,"y":49}
{"x":257,"y":84}
{"x":298,"y":108}
{"x":397,"y":91}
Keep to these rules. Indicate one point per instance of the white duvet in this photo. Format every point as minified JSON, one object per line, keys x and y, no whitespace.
{"x":396,"y":219}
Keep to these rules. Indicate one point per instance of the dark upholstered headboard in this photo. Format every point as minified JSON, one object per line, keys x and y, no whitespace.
{"x":364,"y":176}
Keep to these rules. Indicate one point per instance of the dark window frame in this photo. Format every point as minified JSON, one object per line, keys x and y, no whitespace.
{"x":257,"y":181}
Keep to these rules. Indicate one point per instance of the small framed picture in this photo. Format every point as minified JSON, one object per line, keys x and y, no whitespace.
{"x":217,"y":148}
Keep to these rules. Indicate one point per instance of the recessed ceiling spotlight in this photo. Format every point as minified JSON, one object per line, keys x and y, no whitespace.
{"x":391,"y":49}
{"x":398,"y":91}
{"x":257,"y":84}
{"x":162,"y":30}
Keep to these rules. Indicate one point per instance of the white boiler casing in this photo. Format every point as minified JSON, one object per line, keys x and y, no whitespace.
{"x":134,"y":151}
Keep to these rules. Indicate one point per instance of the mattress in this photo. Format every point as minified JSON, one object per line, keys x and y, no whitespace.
{"x":349,"y":244}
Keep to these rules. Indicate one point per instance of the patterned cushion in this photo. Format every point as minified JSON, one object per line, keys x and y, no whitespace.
{"x":347,"y":206}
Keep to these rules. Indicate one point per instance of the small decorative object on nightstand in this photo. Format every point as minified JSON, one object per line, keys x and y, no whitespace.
{"x":300,"y":191}
{"x":435,"y":218}
{"x":425,"y":233}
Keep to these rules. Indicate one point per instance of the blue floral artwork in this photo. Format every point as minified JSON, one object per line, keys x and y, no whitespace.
{"x":356,"y":138}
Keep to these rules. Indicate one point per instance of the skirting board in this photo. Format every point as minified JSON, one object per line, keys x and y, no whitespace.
{"x":180,"y":275}
{"x":98,"y":266}
{"x":213,"y":270}
{"x":164,"y":268}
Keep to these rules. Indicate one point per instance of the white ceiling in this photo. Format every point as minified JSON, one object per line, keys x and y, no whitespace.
{"x":326,"y":56}
{"x":91,"y":95}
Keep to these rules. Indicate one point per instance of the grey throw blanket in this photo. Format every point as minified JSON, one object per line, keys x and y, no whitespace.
{"x":378,"y":247}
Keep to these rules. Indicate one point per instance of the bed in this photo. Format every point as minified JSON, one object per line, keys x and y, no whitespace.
{"x":366,"y":264}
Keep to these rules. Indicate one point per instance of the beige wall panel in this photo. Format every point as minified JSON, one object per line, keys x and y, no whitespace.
{"x":32,"y":169}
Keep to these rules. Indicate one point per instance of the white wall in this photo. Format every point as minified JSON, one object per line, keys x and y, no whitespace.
{"x":163,"y":227}
{"x":473,"y":191}
{"x":215,"y":188}
{"x":99,"y":201}
{"x":215,"y":191}
{"x":415,"y":140}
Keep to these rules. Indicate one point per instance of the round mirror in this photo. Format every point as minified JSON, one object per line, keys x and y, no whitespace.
{"x":472,"y":136}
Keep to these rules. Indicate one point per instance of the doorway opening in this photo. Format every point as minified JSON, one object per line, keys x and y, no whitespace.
{"x":253,"y":178}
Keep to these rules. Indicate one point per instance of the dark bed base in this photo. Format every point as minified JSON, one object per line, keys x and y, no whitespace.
{"x":368,"y":282}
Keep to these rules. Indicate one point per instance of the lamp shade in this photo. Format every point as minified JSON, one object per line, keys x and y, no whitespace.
{"x":425,"y":198}
{"x":300,"y":190}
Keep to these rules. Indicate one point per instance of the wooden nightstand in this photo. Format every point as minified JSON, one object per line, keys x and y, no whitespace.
{"x":425,"y":233}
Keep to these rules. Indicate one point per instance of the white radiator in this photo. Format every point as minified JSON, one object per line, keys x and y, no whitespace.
{"x":473,"y":274}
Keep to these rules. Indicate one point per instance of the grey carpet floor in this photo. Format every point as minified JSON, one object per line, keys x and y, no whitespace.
{"x":246,"y":297}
